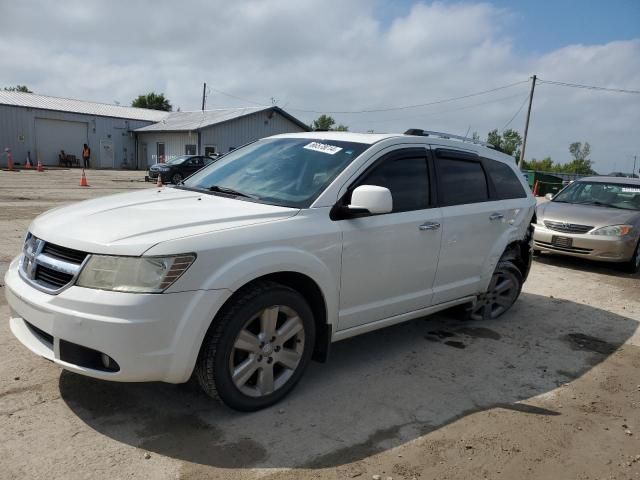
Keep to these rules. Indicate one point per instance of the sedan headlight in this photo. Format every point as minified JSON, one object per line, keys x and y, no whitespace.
{"x":133,"y":274}
{"x":613,"y":230}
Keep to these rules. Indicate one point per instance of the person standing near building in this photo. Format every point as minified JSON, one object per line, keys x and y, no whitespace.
{"x":86,"y":155}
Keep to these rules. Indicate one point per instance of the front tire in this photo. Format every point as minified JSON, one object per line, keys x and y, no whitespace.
{"x":504,"y":289}
{"x":257,"y":348}
{"x":176,"y":178}
{"x":633,"y":265}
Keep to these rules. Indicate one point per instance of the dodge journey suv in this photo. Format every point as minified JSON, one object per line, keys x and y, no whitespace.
{"x":254,"y":265}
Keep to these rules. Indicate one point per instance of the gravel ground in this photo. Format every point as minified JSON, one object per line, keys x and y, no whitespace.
{"x":550,"y":391}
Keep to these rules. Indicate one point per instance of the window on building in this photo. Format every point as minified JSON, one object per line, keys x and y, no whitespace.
{"x":461,"y":182}
{"x":504,"y":180}
{"x":406,"y":178}
{"x":189,"y":149}
{"x":209,"y":150}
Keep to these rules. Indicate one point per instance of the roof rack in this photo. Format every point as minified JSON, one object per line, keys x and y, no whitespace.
{"x":449,"y":136}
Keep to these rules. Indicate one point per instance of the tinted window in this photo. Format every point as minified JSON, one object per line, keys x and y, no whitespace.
{"x":406,"y":178}
{"x":461,"y":182}
{"x":504,"y":180}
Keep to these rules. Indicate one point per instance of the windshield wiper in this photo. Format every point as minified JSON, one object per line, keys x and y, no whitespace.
{"x":230,"y":191}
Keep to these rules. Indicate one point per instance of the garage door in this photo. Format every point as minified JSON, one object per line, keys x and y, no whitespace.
{"x":55,"y":135}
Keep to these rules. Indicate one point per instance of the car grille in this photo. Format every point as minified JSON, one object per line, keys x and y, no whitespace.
{"x":49,"y":267}
{"x":567,"y":227}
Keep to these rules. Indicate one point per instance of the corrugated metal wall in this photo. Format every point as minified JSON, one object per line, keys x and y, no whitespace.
{"x":174,"y":145}
{"x":237,"y":132}
{"x":17,"y":131}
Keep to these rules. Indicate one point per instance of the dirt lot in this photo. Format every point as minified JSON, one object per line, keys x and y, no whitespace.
{"x":551,"y":391}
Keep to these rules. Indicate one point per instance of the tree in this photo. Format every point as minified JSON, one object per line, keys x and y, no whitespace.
{"x":326,"y":122}
{"x":544,"y":165}
{"x":18,"y":88}
{"x":509,"y":142}
{"x":153,"y":101}
{"x":580,"y":163}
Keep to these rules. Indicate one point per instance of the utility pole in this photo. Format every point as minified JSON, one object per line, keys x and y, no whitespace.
{"x":204,"y":95}
{"x":526,"y":125}
{"x":633,"y":172}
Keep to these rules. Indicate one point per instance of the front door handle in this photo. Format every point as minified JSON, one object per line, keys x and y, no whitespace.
{"x":496,"y":216}
{"x":429,"y":226}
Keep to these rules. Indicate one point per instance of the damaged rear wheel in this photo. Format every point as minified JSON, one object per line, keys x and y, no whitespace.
{"x":504,"y":289}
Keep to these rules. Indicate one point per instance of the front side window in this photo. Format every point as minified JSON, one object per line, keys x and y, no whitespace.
{"x":461,"y":182}
{"x":600,"y":194}
{"x":406,"y":178}
{"x":290,"y":172}
{"x":504,"y":180}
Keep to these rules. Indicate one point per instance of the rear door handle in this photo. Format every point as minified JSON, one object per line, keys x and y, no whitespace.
{"x":496,"y":216}
{"x":429,"y":226}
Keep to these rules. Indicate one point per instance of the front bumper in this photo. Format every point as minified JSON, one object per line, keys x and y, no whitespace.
{"x":151,"y":337}
{"x":594,"y":247}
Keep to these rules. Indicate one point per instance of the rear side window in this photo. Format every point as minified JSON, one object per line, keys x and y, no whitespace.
{"x":406,"y":178}
{"x":504,"y":180}
{"x":461,"y":182}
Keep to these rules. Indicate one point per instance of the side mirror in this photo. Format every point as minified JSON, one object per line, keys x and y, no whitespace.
{"x":371,"y":198}
{"x":549,"y":196}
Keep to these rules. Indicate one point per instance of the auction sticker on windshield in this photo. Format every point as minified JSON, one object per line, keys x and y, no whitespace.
{"x":323,"y":147}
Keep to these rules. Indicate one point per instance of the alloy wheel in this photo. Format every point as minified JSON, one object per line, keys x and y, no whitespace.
{"x":267,"y":351}
{"x":502,"y":293}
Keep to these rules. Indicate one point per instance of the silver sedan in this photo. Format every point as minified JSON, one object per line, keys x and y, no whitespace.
{"x":596,"y":218}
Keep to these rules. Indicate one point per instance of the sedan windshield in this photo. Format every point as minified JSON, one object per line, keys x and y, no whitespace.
{"x":612,"y":195}
{"x":177,"y":160}
{"x":290,"y":172}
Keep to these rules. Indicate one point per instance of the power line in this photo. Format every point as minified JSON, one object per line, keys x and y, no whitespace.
{"x":443,"y":112}
{"x":589,"y":87}
{"x":524,"y":102}
{"x":240,"y":98}
{"x":405,"y":107}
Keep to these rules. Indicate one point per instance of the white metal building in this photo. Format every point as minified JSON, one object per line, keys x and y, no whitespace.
{"x":45,"y":125}
{"x":211,"y":131}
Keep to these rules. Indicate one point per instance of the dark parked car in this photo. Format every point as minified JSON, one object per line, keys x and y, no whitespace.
{"x":179,"y":168}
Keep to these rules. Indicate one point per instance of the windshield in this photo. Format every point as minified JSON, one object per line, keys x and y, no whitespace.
{"x":613,"y":195}
{"x":177,"y":160}
{"x":290,"y":172}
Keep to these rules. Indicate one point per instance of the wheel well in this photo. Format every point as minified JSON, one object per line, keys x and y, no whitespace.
{"x":518,"y":252}
{"x":310,"y":290}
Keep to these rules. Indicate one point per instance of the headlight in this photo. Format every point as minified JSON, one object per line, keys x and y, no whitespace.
{"x":133,"y":274}
{"x":613,"y":230}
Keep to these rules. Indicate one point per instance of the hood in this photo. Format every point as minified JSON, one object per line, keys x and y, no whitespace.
{"x":585,"y":214}
{"x":131,"y":223}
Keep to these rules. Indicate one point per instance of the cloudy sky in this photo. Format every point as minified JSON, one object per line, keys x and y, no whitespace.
{"x":351,"y":55}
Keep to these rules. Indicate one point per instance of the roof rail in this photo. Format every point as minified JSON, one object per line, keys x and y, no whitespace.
{"x":449,"y":136}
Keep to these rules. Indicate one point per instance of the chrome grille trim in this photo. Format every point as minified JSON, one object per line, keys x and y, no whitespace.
{"x":45,"y":271}
{"x":567,"y":227}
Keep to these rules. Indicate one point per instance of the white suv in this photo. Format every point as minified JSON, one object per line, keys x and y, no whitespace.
{"x":257,"y":263}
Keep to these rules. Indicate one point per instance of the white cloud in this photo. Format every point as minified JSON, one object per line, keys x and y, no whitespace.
{"x":329,"y":55}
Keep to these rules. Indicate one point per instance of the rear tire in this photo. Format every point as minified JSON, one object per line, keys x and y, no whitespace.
{"x":257,"y":348}
{"x":504,"y":289}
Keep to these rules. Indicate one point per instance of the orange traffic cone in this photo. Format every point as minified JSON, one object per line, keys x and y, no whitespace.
{"x":40,"y":167}
{"x":83,"y":180}
{"x":27,"y":164}
{"x":159,"y":182}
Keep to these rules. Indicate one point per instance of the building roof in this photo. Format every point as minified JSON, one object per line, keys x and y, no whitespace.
{"x":193,"y":121}
{"x":31,"y":100}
